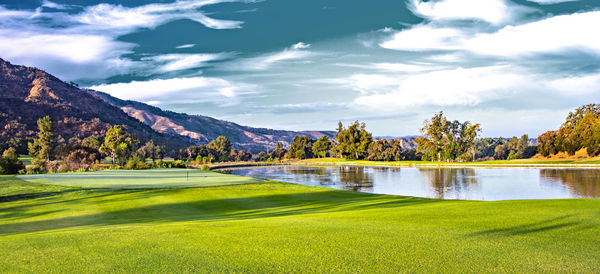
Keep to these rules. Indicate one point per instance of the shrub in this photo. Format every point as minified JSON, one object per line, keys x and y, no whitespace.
{"x":178,"y":164}
{"x":204,"y":167}
{"x":135,"y":162}
{"x":9,"y":162}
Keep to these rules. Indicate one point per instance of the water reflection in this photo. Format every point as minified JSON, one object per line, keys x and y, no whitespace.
{"x":580,"y":184}
{"x":349,"y":178}
{"x":450,"y":183}
{"x":443,"y":183}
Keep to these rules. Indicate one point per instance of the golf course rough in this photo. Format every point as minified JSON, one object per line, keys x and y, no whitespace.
{"x":267,"y":226}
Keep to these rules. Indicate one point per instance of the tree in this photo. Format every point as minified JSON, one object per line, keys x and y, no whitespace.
{"x":279,"y":151}
{"x":222,"y":146}
{"x":353,"y":142}
{"x":42,"y":147}
{"x":321,"y":146}
{"x":118,"y":144}
{"x":10,"y":163}
{"x":445,"y":140}
{"x":150,"y":150}
{"x":300,"y":148}
{"x":547,"y":143}
{"x":262,"y":156}
{"x":431,"y":141}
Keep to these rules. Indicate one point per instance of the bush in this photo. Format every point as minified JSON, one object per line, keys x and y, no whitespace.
{"x":137,"y":163}
{"x":9,"y":162}
{"x":178,"y":164}
{"x":35,"y":169}
{"x":204,"y":167}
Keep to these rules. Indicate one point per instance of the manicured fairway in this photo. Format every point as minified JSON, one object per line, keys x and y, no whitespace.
{"x":155,"y":178}
{"x":279,"y":227}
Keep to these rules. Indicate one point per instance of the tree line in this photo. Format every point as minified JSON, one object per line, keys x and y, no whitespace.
{"x":441,"y":139}
{"x":580,"y":131}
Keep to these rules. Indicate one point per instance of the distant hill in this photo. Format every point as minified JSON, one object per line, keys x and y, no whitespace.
{"x":27,"y":94}
{"x":203,"y":129}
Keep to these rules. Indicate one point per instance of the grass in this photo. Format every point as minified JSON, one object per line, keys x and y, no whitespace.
{"x":280,"y":227}
{"x":154,"y":178}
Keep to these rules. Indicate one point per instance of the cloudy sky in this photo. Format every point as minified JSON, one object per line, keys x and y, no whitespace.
{"x":515,"y":66}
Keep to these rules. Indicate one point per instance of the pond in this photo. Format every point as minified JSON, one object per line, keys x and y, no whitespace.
{"x":487,"y":184}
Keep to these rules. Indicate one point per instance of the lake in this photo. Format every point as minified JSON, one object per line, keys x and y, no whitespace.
{"x":487,"y":184}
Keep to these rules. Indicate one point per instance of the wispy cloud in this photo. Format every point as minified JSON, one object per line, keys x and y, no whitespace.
{"x":82,"y":43}
{"x":293,"y":53}
{"x":558,"y":34}
{"x":196,"y":89}
{"x":176,"y":62}
{"x":491,"y":11}
{"x":185,"y":46}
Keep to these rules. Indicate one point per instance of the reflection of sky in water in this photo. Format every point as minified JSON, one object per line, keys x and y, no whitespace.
{"x":445,"y":183}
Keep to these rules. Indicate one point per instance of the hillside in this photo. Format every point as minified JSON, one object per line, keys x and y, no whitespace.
{"x":202,"y":129}
{"x":28,"y":94}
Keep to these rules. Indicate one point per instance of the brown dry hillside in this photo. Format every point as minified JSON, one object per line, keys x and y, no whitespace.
{"x":202,"y":129}
{"x":27,"y":94}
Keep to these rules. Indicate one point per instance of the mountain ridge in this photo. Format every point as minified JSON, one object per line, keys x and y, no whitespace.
{"x":28,"y":94}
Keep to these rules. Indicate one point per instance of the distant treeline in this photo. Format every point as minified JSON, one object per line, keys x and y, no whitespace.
{"x":581,"y":130}
{"x":441,"y":140}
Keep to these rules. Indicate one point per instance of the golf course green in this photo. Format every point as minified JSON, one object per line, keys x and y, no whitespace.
{"x":159,"y":222}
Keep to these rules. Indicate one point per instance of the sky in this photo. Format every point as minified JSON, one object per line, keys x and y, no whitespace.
{"x":514,"y":66}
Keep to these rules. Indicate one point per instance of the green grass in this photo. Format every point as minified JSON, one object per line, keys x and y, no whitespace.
{"x":154,"y":178}
{"x":520,"y":162}
{"x":279,"y":227}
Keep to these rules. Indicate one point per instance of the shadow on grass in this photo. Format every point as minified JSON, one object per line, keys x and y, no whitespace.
{"x":542,"y":226}
{"x":34,"y":195}
{"x":216,"y":210}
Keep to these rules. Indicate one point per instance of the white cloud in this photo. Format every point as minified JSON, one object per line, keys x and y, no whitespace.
{"x":175,"y":62}
{"x":263,"y":62}
{"x":83,"y":44}
{"x":492,"y":11}
{"x":185,"y":46}
{"x":392,"y":67}
{"x":547,"y":2}
{"x":301,"y":45}
{"x":424,"y":37}
{"x":577,"y":85}
{"x":552,"y":35}
{"x":461,"y":86}
{"x":560,"y":33}
{"x":197,"y":89}
{"x":52,"y":5}
{"x":150,"y":15}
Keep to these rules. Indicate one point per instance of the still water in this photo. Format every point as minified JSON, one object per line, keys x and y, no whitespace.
{"x":445,"y":183}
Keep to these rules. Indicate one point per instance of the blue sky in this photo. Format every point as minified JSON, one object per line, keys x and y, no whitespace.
{"x":515,"y":66}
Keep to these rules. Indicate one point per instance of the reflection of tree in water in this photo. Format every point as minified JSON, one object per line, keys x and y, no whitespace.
{"x":310,"y":174}
{"x":580,"y":182}
{"x":446,"y":181}
{"x":355,"y":178}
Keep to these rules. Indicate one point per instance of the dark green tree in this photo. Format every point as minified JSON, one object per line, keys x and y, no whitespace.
{"x":10,"y":163}
{"x":222,"y":146}
{"x":322,"y":146}
{"x":300,"y":148}
{"x":150,"y":150}
{"x":42,"y":148}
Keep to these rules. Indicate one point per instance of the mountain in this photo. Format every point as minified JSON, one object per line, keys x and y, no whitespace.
{"x":203,"y":129}
{"x":26,"y":94}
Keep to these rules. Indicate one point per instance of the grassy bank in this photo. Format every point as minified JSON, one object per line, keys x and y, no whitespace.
{"x":589,"y":162}
{"x":276,"y":227}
